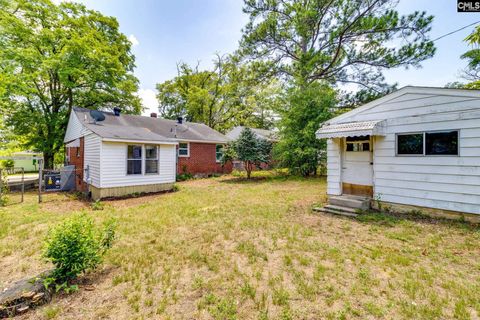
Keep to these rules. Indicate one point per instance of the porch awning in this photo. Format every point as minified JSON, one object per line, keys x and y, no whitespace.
{"x":352,"y":129}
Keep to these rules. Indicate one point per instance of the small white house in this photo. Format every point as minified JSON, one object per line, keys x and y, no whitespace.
{"x":119,"y":155}
{"x":415,"y":149}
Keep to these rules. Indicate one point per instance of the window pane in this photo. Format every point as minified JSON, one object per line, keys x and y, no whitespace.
{"x":219,"y":152}
{"x":410,"y":143}
{"x":358,"y":138}
{"x":134,"y":152}
{"x":150,"y":152}
{"x":183,"y":152}
{"x":183,"y":145}
{"x":349,"y":146}
{"x":134,"y":166}
{"x":366,"y":146}
{"x":441,"y":143}
{"x":151,"y":166}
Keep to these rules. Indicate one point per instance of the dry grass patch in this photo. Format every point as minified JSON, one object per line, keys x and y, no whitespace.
{"x":225,"y":248}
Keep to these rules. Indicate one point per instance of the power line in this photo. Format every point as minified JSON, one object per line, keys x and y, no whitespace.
{"x":455,"y":31}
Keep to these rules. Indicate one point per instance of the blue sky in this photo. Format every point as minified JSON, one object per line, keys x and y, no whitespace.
{"x":165,"y":32}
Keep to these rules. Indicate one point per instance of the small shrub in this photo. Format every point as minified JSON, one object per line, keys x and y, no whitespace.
{"x":7,"y":164}
{"x":76,"y":246}
{"x":184,"y":176}
{"x":175,"y":188}
{"x":97,"y":205}
{"x":3,"y":188}
{"x":51,"y":312}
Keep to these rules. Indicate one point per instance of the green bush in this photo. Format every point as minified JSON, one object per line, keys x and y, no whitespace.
{"x":97,"y":205}
{"x":3,"y":189}
{"x":77,"y":245}
{"x":184,"y":176}
{"x":7,"y":164}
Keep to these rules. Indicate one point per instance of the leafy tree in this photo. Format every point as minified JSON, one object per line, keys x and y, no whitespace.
{"x":339,"y":41}
{"x":472,"y":72}
{"x":221,"y":98}
{"x":55,"y":57}
{"x":306,"y":108}
{"x":249,"y":149}
{"x":314,"y":43}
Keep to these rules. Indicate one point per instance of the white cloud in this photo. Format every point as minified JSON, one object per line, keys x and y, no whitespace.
{"x":149,"y":101}
{"x":133,"y":40}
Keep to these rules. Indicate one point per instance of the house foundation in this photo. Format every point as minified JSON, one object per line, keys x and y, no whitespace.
{"x":116,"y":192}
{"x":430,"y":212}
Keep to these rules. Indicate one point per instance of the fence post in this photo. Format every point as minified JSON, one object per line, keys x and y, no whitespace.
{"x":23,"y":182}
{"x":40,"y":177}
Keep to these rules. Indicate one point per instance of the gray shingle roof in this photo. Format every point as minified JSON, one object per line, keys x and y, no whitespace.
{"x":141,"y":128}
{"x":260,"y":133}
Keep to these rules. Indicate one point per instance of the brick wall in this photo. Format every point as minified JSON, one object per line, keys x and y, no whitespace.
{"x":76,"y":159}
{"x":202,"y":160}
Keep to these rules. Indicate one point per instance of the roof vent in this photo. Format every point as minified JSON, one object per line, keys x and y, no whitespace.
{"x":97,"y":116}
{"x":117,"y":111}
{"x":153,"y":115}
{"x":180,"y":120}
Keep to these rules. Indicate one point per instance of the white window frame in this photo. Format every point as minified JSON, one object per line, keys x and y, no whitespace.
{"x":359,"y":142}
{"x":188,"y":150}
{"x":157,"y":159}
{"x":424,"y":154}
{"x":223,"y":152}
{"x":133,"y":159}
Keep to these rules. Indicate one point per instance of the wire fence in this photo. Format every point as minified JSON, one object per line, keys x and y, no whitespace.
{"x":64,"y":179}
{"x":14,"y":182}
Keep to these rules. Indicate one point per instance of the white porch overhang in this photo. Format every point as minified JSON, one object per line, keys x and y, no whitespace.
{"x":352,"y":129}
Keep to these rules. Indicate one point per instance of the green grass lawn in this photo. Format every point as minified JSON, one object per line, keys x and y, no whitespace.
{"x":224,"y":248}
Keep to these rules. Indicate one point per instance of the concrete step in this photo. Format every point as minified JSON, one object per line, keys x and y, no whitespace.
{"x":354,"y":202}
{"x":339,"y":208}
{"x":335,"y":211}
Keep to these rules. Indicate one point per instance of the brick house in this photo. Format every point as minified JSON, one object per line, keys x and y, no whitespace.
{"x":129,"y":153}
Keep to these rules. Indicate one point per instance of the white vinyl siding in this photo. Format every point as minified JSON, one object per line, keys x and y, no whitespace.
{"x":334,"y":184}
{"x":92,"y":150}
{"x":443,"y":182}
{"x":75,"y":128}
{"x":114,"y":170}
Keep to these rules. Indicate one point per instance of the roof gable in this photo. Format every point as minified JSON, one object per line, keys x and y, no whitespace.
{"x":402,"y":93}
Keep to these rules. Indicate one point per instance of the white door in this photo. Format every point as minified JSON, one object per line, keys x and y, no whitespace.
{"x":357,"y":164}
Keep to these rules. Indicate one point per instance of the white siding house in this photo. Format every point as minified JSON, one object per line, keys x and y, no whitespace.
{"x":417,"y":147}
{"x":103,"y":157}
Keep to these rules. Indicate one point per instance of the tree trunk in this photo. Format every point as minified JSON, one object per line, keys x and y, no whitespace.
{"x":248,"y":168}
{"x":48,"y":158}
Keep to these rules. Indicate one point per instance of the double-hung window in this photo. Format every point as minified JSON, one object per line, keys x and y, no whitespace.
{"x":134,"y":159}
{"x":151,"y":159}
{"x":436,"y":143}
{"x":219,"y":152}
{"x":183,"y":149}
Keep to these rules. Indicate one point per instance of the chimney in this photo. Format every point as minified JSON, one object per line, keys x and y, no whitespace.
{"x":117,"y":111}
{"x":153,"y":115}
{"x":180,"y":120}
